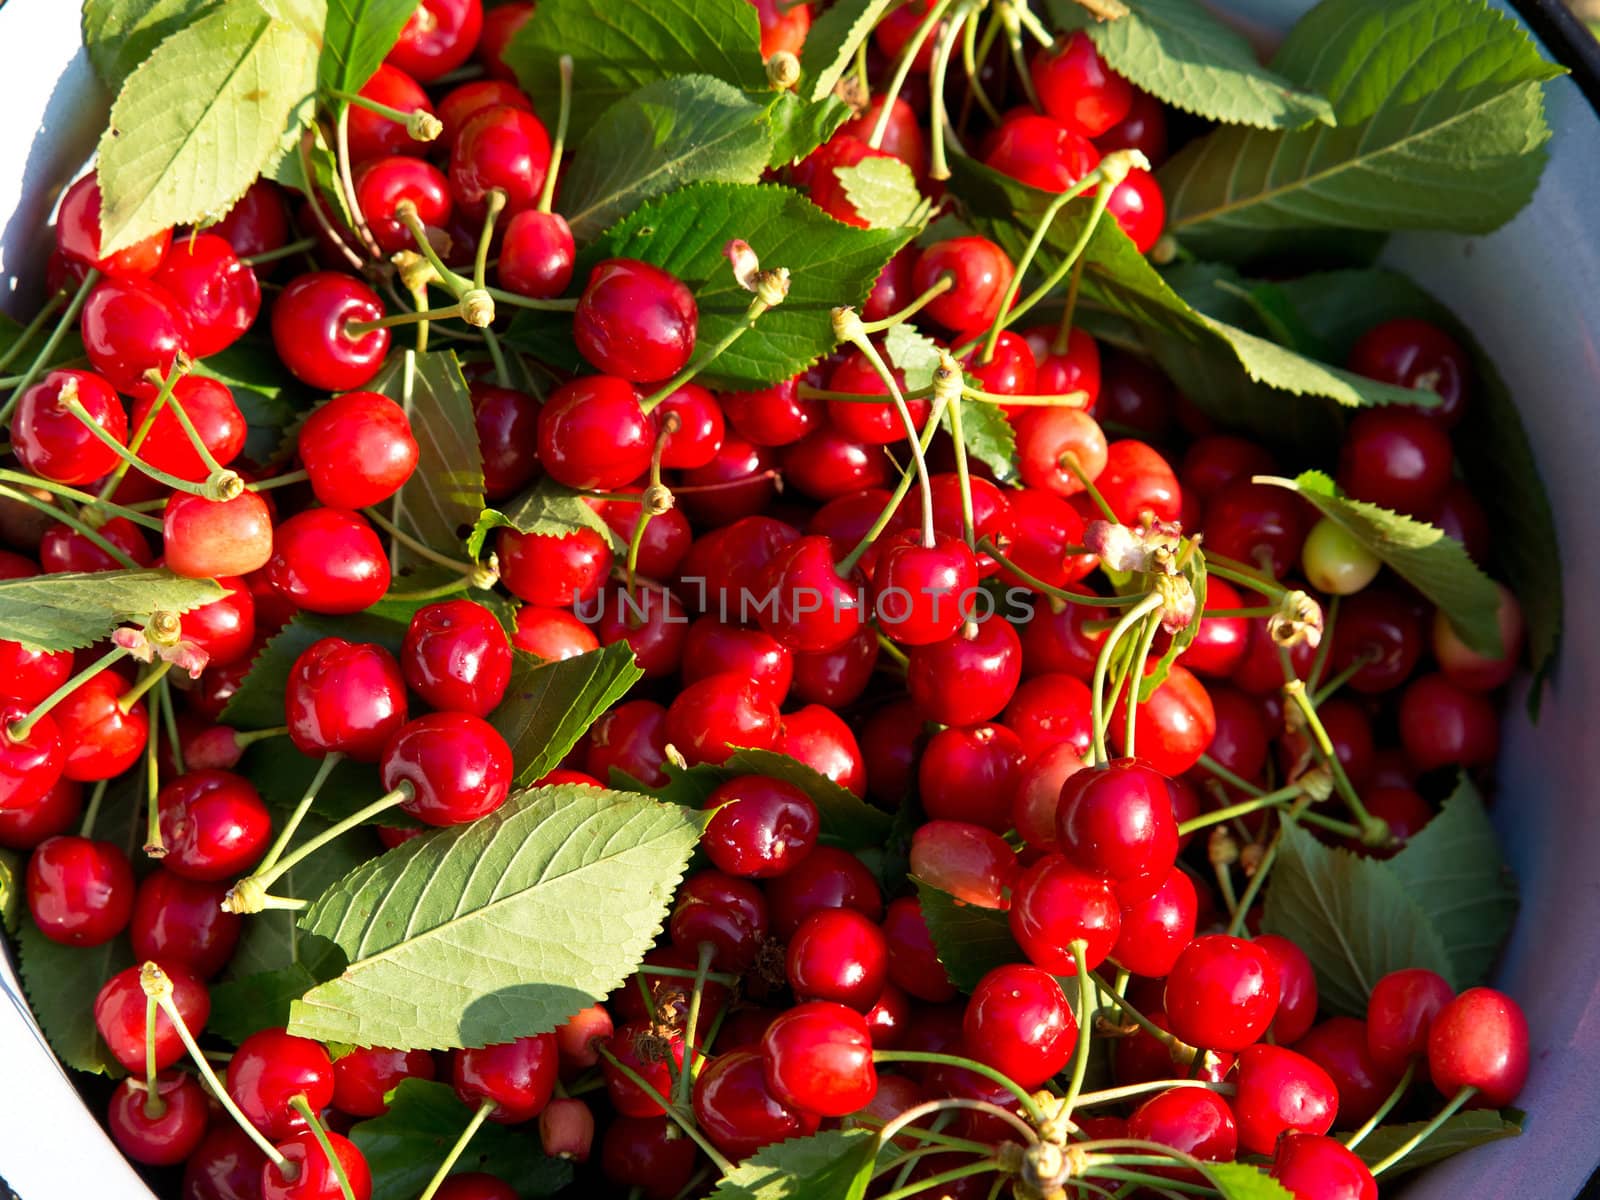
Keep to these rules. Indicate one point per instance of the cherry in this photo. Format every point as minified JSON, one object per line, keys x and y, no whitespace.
{"x":554,"y":571}
{"x":1019,"y":1022}
{"x":1241,"y":740}
{"x":960,"y":1083}
{"x":968,"y":677}
{"x":77,"y":232}
{"x":921,"y":594}
{"x":345,"y":698}
{"x":1174,"y":726}
{"x":1009,"y":371}
{"x":805,"y":603}
{"x":759,"y":827}
{"x":1076,"y":87}
{"x":1313,"y":1167}
{"x":1116,"y":822}
{"x":1217,"y":459}
{"x":171,"y":1136}
{"x":458,"y":765}
{"x":644,"y":1050}
{"x":1461,"y":516}
{"x":730,"y":914}
{"x":206,"y":539}
{"x":827,"y":189}
{"x":1044,"y":528}
{"x":1075,"y":369}
{"x":888,"y":1018}
{"x":309,"y":1174}
{"x":896,"y":29}
{"x":648,"y":1153}
{"x":651,"y":620}
{"x":1143,"y":129}
{"x":1297,"y":988}
{"x":1280,"y":1091}
{"x":981,"y":271}
{"x":817,"y":1057}
{"x":382,"y":185}
{"x":215,"y":294}
{"x":826,"y":878}
{"x":700,"y":429}
{"x":892,"y":290}
{"x":1054,"y":904}
{"x":1137,"y":480}
{"x":1220,"y":643}
{"x":1040,"y":152}
{"x":712,"y":717}
{"x":461,"y":103}
{"x":774,"y":416}
{"x":25,"y":826}
{"x":500,"y":147}
{"x":537,"y":254}
{"x":210,"y":407}
{"x":62,"y":548}
{"x":518,"y":1077}
{"x":1191,"y":1120}
{"x":475,"y":1185}
{"x":631,"y":738}
{"x":1480,"y":1040}
{"x":375,"y":136}
{"x":635,"y":321}
{"x":838,"y":955}
{"x":328,"y":560}
{"x":180,"y":921}
{"x":737,"y":1111}
{"x":1257,"y":524}
{"x":51,"y":441}
{"x":739,"y":481}
{"x":991,"y":513}
{"x":437,"y":38}
{"x":1444,"y":725}
{"x":914,"y":965}
{"x":1049,"y":439}
{"x":103,"y":740}
{"x":1413,"y":353}
{"x":1037,"y":795}
{"x":1339,"y":1047}
{"x":226,"y":1166}
{"x":783,"y":27}
{"x":964,"y":770}
{"x":120,"y":1016}
{"x":1400,"y":1011}
{"x":257,"y":223}
{"x":1137,"y":395}
{"x":1139,"y":207}
{"x":593,"y":434}
{"x":552,"y":634}
{"x":872,"y":424}
{"x":1049,"y":710}
{"x":902,"y":136}
{"x":575,"y":1037}
{"x":838,"y":676}
{"x":131,"y":328}
{"x":1153,"y":932}
{"x":506,"y":422}
{"x":714,"y":647}
{"x":358,"y":449}
{"x":1467,"y":668}
{"x":1380,"y":626}
{"x":456,"y":656}
{"x":1396,"y":458}
{"x":28,"y":675}
{"x":1142,"y":1058}
{"x":311,"y":322}
{"x":1222,"y":993}
{"x":826,"y":464}
{"x":214,"y":824}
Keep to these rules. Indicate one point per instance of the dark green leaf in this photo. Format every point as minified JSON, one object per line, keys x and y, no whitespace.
{"x":11,"y":888}
{"x":1179,"y":51}
{"x":70,"y":346}
{"x":831,"y":43}
{"x":1241,"y":1181}
{"x":271,"y":401}
{"x":282,"y":774}
{"x":687,"y":129}
{"x":199,"y":119}
{"x":1354,"y":917}
{"x":1424,"y":555}
{"x":1461,"y":1132}
{"x":444,"y":495}
{"x":258,"y":704}
{"x":969,"y":940}
{"x":1441,"y":126}
{"x":406,"y":1145}
{"x":989,"y":438}
{"x":501,"y":928}
{"x":121,"y":34}
{"x":617,"y":48}
{"x":884,"y":193}
{"x":547,"y":509}
{"x":357,"y":36}
{"x":70,"y":611}
{"x":798,"y":126}
{"x":548,"y":706}
{"x":240,"y":1007}
{"x":813,"y":1168}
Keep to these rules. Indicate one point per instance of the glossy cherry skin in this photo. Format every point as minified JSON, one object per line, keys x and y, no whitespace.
{"x":1074,"y":369}
{"x":456,"y":656}
{"x":914,"y":966}
{"x":714,"y":647}
{"x":500,"y":147}
{"x":130,"y":328}
{"x":358,"y":450}
{"x":62,"y":548}
{"x":736,"y":1110}
{"x":709,"y":719}
{"x":31,"y":766}
{"x":1191,"y":1120}
{"x":1076,"y":87}
{"x":903,"y":136}
{"x":1040,"y":152}
{"x":328,"y":560}
{"x":258,"y":222}
{"x":120,"y":1017}
{"x":699,"y":428}
{"x":1153,"y":932}
{"x":457,"y":106}
{"x":1443,"y":725}
{"x":1138,"y":206}
{"x":1216,"y":460}
{"x":826,"y":185}
{"x":507,"y":422}
{"x":805,"y":603}
{"x":1281,"y":1091}
{"x":635,"y":321}
{"x":1174,"y":726}
{"x":50,"y":440}
{"x":1413,"y":353}
{"x":1143,"y":129}
{"x":1018,"y":1021}
{"x":346,"y":698}
{"x":1051,"y":710}
{"x":644,"y":1153}
{"x":519,"y":1077}
{"x":838,"y":676}
{"x":382,"y":185}
{"x":730,"y":914}
{"x":963,"y":680}
{"x":374,"y":136}
{"x":166,"y":1139}
{"x":1044,"y":527}
{"x":458,"y":766}
{"x":552,"y":633}
{"x":774,"y":416}
{"x":102,"y":740}
{"x":1037,"y":795}
{"x":593,"y":434}
{"x":1480,"y":1039}
{"x":1396,"y":458}
{"x":29,"y":826}
{"x":739,"y":481}
{"x":270,"y":1069}
{"x":313,"y":1175}
{"x":826,"y":878}
{"x":214,"y":824}
{"x":759,"y":827}
{"x":178,"y":920}
{"x":826,"y":464}
{"x":1257,"y":524}
{"x":982,"y":273}
{"x":77,"y":231}
{"x":210,"y":407}
{"x":838,"y":955}
{"x":1117,"y":822}
{"x":204,"y":538}
{"x":1313,"y":1167}
{"x":551,"y":571}
{"x":655,"y":1056}
{"x":921,"y":594}
{"x":225,"y":1166}
{"x":630,"y":738}
{"x":651,"y":620}
{"x":817,"y":1057}
{"x":1138,"y":480}
{"x":872,"y":424}
{"x":1049,"y":439}
{"x":1400,"y":1011}
{"x":1297,"y":989}
{"x":437,"y":38}
{"x":965,"y":770}
{"x":80,"y":892}
{"x":1054,"y":904}
{"x":1339,"y":1047}
{"x":216,"y":295}
{"x":1222,"y":993}
{"x":310,"y":330}
{"x":537,"y":253}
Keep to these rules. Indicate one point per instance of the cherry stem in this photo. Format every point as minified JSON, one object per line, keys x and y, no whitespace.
{"x":1361,"y":662}
{"x":19,"y":730}
{"x":915,"y":1113}
{"x":547,"y":194}
{"x":683,"y":1120}
{"x":692,"y":1022}
{"x":1264,"y":610}
{"x":1069,"y":460}
{"x":406,"y":213}
{"x":71,"y":522}
{"x":1012,"y":26}
{"x":1221,"y":772}
{"x":969,"y":63}
{"x":491,"y":341}
{"x":1075,"y":399}
{"x":1041,"y":230}
{"x":858,"y":339}
{"x":1137,"y":664}
{"x":135,"y":693}
{"x":278,"y":481}
{"x":136,"y":442}
{"x":902,"y":72}
{"x":155,"y":845}
{"x":1062,"y":342}
{"x":220,"y":485}
{"x":518,"y":301}
{"x":361,"y":328}
{"x":413,"y":544}
{"x":1263,"y":868}
{"x":944,"y":46}
{"x":1086,"y":1007}
{"x":169,"y":722}
{"x":702,"y":361}
{"x":924,"y":1186}
{"x":86,"y":829}
{"x":1237,"y":572}
{"x":1243,"y":808}
{"x":347,"y":183}
{"x":1374,"y":830}
{"x":892,"y":506}
{"x":1103,"y":662}
{"x":154,"y":1106}
{"x":1146,"y":1180}
{"x":1222,"y":869}
{"x":245,"y":740}
{"x":286,"y":834}
{"x":314,"y":201}
{"x":418,"y":121}
{"x":1178,"y":1047}
{"x":1320,"y":663}
{"x":896,"y":655}
{"x":448,"y":588}
{"x":158,"y":986}
{"x":1088,"y":600}
{"x":80,"y":497}
{"x":1128,"y":1091}
{"x":484,"y":1109}
{"x":493,"y":207}
{"x":687,"y":973}
{"x":287,"y":250}
{"x":1024,"y":1098}
{"x":1384,"y":1109}
{"x":28,"y":331}
{"x":1427,"y":1131}
{"x":806,"y":392}
{"x":940,"y":286}
{"x":958,"y":440}
{"x":1033,"y":25}
{"x":25,"y":381}
{"x":303,"y":1106}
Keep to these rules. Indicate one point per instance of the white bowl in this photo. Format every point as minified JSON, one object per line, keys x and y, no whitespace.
{"x":1531,"y":295}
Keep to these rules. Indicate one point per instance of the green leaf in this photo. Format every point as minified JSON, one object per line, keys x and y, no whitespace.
{"x":1354,"y":917}
{"x":685,"y":233}
{"x":687,"y":129}
{"x":11,"y":889}
{"x":1455,"y":871}
{"x":357,"y":36}
{"x":1461,"y":1132}
{"x":199,"y":120}
{"x":443,"y":497}
{"x":1241,"y":1181}
{"x":548,"y":706}
{"x":618,"y":48}
{"x":548,"y":509}
{"x":240,"y":1007}
{"x":406,"y":1145}
{"x":1178,"y":51}
{"x":70,"y":611}
{"x":1440,"y":126}
{"x":812,"y":1168}
{"x":271,"y":401}
{"x":913,"y":354}
{"x":988,"y":437}
{"x":70,"y":346}
{"x":884,"y":192}
{"x":258,"y":704}
{"x":121,"y":34}
{"x":969,"y":940}
{"x":509,"y":924}
{"x":798,"y":126}
{"x":831,"y":42}
{"x":846,"y":819}
{"x":1423,"y":555}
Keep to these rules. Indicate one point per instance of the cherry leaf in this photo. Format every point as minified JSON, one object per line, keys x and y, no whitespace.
{"x":970,"y":941}
{"x":1241,"y":1181}
{"x":1461,"y":1132}
{"x":824,"y":1164}
{"x":71,"y":610}
{"x":121,"y":34}
{"x":548,"y":706}
{"x":357,"y":35}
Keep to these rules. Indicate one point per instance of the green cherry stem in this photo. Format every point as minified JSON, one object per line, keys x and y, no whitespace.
{"x":1102,"y":664}
{"x":1063,"y":339}
{"x":96,"y":797}
{"x":1427,"y":1131}
{"x":481,"y":1115}
{"x":1245,"y":576}
{"x":1128,"y":1091}
{"x":31,"y":329}
{"x":887,"y":1130}
{"x":682,"y":1119}
{"x":940,"y":286}
{"x":1086,"y":1007}
{"x":347,"y":183}
{"x":1244,"y":808}
{"x":1263,"y":869}
{"x":1061,"y":400}
{"x":969,"y":64}
{"x":1024,"y":1098}
{"x":493,"y":207}
{"x":1137,"y":664}
{"x":287,"y":479}
{"x":847,"y":327}
{"x":1374,"y":830}
{"x":286,"y":834}
{"x":1012,"y":28}
{"x":155,"y":846}
{"x":221,"y":485}
{"x":25,"y":381}
{"x":1207,"y":763}
{"x":288,"y":250}
{"x":134,"y":694}
{"x":1320,"y":663}
{"x":969,"y":523}
{"x":413,"y":544}
{"x":1327,"y":690}
{"x":80,"y":497}
{"x":902,"y":71}
{"x":303,"y":1106}
{"x":547,"y":194}
{"x":1069,"y":460}
{"x":169,"y":722}
{"x":1170,"y":1040}
{"x":1384,"y":1109}
{"x":686,"y":1076}
{"x":758,"y":306}
{"x":71,"y":522}
{"x":324,"y":221}
{"x":18,"y":730}
{"x":1033,"y":581}
{"x":1041,"y":230}
{"x":938,"y":70}
{"x":421,"y":124}
{"x":892,"y":505}
{"x":154,"y":1106}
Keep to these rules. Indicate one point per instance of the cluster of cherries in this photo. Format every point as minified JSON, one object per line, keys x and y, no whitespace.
{"x":788,"y":974}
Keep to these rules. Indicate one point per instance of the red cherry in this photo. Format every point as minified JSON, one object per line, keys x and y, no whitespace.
{"x":257,"y":223}
{"x":645,"y":1051}
{"x":1444,"y":725}
{"x":838,"y":955}
{"x":700,"y":429}
{"x":226,"y":1166}
{"x":181,"y":921}
{"x":714,"y":647}
{"x":966,"y":679}
{"x":1138,"y":480}
{"x":902,"y":136}
{"x":1154,"y":932}
{"x":458,"y":765}
{"x":51,"y":441}
{"x":651,"y":620}
{"x":506,"y":422}
{"x":646,"y":1153}
{"x":1048,"y":710}
{"x":963,"y":770}
{"x":28,"y":675}
{"x":774,"y":416}
{"x":759,"y":827}
{"x":456,"y":656}
{"x":1213,"y":461}
{"x":206,"y":539}
{"x":1037,"y":796}
{"x":269,"y":1069}
{"x":872,"y":424}
{"x":1040,"y":152}
{"x":102,"y":740}
{"x":1396,"y":458}
{"x":358,"y":449}
{"x":437,"y":37}
{"x":344,"y":698}
{"x":1339,"y":1047}
{"x":593,"y":434}
{"x":805,"y":603}
{"x":519,"y":1077}
{"x":914,"y":966}
{"x":1400,"y":1011}
{"x":635,"y":321}
{"x":981,"y":271}
{"x":210,"y":407}
{"x":894,"y":32}
{"x":991,"y":513}
{"x":1297,"y":988}
{"x":78,"y":236}
{"x":730,"y":914}
{"x":1054,"y":904}
{"x":783,"y":27}
{"x":736,"y":1110}
{"x":328,"y":560}
{"x":1413,"y":353}
{"x":1138,"y":206}
{"x":216,"y":295}
{"x":500,"y":147}
{"x":1143,"y":1059}
{"x":537,"y":254}
{"x":1143,"y":129}
{"x":970,"y":862}
{"x":552,"y":633}
{"x":1173,"y":727}
{"x":1280,"y":1091}
{"x":1010,"y":371}
{"x":1019,"y":1022}
{"x":1052,"y":440}
{"x":816,"y":736}
{"x":1313,"y":1167}
{"x":500,"y":25}
{"x":1076,"y":87}
{"x":1117,"y":822}
{"x":131,"y":328}
{"x":1222,"y":993}
{"x":475,"y":1185}
{"x":630,"y":738}
{"x":308,"y":1173}
{"x":120,"y":1016}
{"x":817,"y":1057}
{"x":171,"y":1136}
{"x":65,"y":549}
{"x":1257,"y":524}
{"x":1044,"y":527}
{"x":826,"y":464}
{"x":1075,"y":369}
{"x":836,"y":677}
{"x":826,"y":878}
{"x":921,"y":594}
{"x":1480,"y":1040}
{"x":214,"y":824}
{"x":1193,"y":1121}
{"x":1469,"y":669}
{"x":1379,"y":625}
{"x":23,"y":827}
{"x":311,"y":331}
{"x":1220,"y":643}
{"x":80,"y":892}
{"x":382,"y":185}
{"x":710,"y":718}
{"x":739,"y":481}
{"x":827,"y":188}
{"x":461,"y":103}
{"x":374,"y":136}
{"x":554,"y":571}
